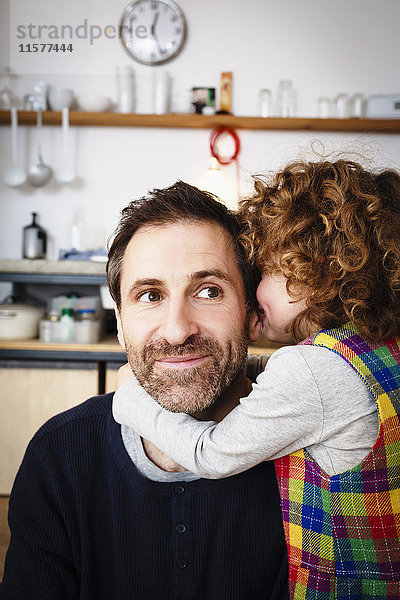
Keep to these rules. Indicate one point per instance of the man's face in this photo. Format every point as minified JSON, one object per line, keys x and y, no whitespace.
{"x":182,"y":315}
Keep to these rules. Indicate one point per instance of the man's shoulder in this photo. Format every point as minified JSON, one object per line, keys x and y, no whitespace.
{"x":96,"y":407}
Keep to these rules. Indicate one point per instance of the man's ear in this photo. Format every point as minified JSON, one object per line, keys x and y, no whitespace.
{"x":120,"y":333}
{"x":256,"y":325}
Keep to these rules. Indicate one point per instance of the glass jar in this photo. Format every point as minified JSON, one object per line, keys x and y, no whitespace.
{"x":87,"y":326}
{"x":357,"y":106}
{"x":342,"y":106}
{"x":285,"y":99}
{"x":324,"y":107}
{"x":49,"y":328}
{"x":265,"y":103}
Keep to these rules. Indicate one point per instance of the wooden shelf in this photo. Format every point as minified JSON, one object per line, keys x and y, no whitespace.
{"x":107,"y":345}
{"x":109,"y":119}
{"x":107,"y":350}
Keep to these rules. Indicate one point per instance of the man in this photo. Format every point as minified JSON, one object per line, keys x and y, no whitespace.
{"x":96,"y":512}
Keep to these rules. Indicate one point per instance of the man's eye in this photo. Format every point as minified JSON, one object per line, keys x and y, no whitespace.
{"x":209,"y":292}
{"x":150,"y":297}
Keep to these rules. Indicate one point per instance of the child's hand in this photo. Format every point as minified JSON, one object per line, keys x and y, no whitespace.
{"x":124,"y":373}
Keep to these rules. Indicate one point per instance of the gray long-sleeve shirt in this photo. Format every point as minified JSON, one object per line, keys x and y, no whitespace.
{"x":307,"y":397}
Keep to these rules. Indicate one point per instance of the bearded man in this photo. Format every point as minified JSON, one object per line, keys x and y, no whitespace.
{"x":97,"y":512}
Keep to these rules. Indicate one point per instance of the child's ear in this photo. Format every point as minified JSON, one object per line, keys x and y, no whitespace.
{"x":120,"y":333}
{"x":256,"y":325}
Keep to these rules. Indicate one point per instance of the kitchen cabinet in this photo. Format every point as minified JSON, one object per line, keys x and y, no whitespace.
{"x":110,"y":119}
{"x":39,"y":380}
{"x":30,"y":276}
{"x":30,"y":395}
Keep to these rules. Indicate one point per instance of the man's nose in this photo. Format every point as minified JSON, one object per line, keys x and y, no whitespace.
{"x":179,"y":322}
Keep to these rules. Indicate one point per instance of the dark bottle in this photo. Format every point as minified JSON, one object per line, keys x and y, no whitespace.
{"x":34,"y":240}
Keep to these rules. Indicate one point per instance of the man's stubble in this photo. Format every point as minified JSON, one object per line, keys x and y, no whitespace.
{"x":190,"y":390}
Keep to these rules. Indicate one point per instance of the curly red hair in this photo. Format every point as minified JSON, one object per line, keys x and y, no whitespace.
{"x":333,"y":229}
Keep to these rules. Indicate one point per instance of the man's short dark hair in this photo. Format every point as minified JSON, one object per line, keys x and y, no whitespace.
{"x":179,"y":202}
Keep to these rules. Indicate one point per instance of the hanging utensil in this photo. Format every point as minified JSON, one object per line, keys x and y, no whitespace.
{"x":66,"y":173}
{"x":40,"y":173}
{"x":14,"y":177}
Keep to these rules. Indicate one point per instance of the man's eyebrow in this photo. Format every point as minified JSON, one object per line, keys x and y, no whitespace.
{"x":217,"y":273}
{"x":145,"y":282}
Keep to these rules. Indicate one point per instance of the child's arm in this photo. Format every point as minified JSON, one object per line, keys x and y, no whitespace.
{"x":283,"y":413}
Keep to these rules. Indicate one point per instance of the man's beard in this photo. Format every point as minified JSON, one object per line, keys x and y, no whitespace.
{"x":193,"y":389}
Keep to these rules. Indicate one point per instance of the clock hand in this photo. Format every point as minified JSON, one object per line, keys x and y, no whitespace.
{"x":153,"y":33}
{"x":153,"y":25}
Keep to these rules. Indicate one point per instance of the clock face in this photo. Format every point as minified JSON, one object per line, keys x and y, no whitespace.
{"x":153,"y":31}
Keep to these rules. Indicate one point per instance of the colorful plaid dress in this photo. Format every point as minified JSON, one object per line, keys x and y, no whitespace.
{"x":343,"y":531}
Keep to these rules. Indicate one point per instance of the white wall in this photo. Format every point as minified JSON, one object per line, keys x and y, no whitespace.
{"x":325,"y":47}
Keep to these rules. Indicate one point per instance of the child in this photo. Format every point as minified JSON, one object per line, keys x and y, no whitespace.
{"x":326,"y":238}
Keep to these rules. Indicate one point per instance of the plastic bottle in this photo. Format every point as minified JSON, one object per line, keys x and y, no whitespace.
{"x":67,"y":325}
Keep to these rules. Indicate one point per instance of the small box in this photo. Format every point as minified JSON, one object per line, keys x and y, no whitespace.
{"x":225,"y":93}
{"x":383,"y":107}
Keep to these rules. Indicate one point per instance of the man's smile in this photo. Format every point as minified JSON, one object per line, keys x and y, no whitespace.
{"x":182,"y":362}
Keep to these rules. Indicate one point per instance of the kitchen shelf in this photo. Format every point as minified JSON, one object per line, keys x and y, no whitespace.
{"x":107,"y":349}
{"x":52,"y":279}
{"x":52,"y":272}
{"x":110,"y":119}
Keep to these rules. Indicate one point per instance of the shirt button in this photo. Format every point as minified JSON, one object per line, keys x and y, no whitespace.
{"x":181,"y":562}
{"x":179,"y":489}
{"x":180,"y":528}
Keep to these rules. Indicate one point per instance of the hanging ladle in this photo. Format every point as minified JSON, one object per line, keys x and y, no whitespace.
{"x":40,"y":173}
{"x":14,"y":177}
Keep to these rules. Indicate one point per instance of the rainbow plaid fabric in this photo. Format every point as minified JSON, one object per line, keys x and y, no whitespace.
{"x":343,"y":531}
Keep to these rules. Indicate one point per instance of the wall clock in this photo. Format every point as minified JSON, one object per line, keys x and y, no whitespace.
{"x":153,"y":32}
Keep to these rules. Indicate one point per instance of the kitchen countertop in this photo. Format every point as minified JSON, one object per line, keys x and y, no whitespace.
{"x":75,"y":267}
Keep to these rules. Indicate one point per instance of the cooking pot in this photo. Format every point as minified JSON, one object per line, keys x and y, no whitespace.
{"x":19,"y":321}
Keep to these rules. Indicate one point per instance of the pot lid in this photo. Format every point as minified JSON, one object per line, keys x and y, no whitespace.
{"x":20,"y":308}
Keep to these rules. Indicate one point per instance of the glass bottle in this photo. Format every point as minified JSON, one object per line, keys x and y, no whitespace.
{"x":34,"y":240}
